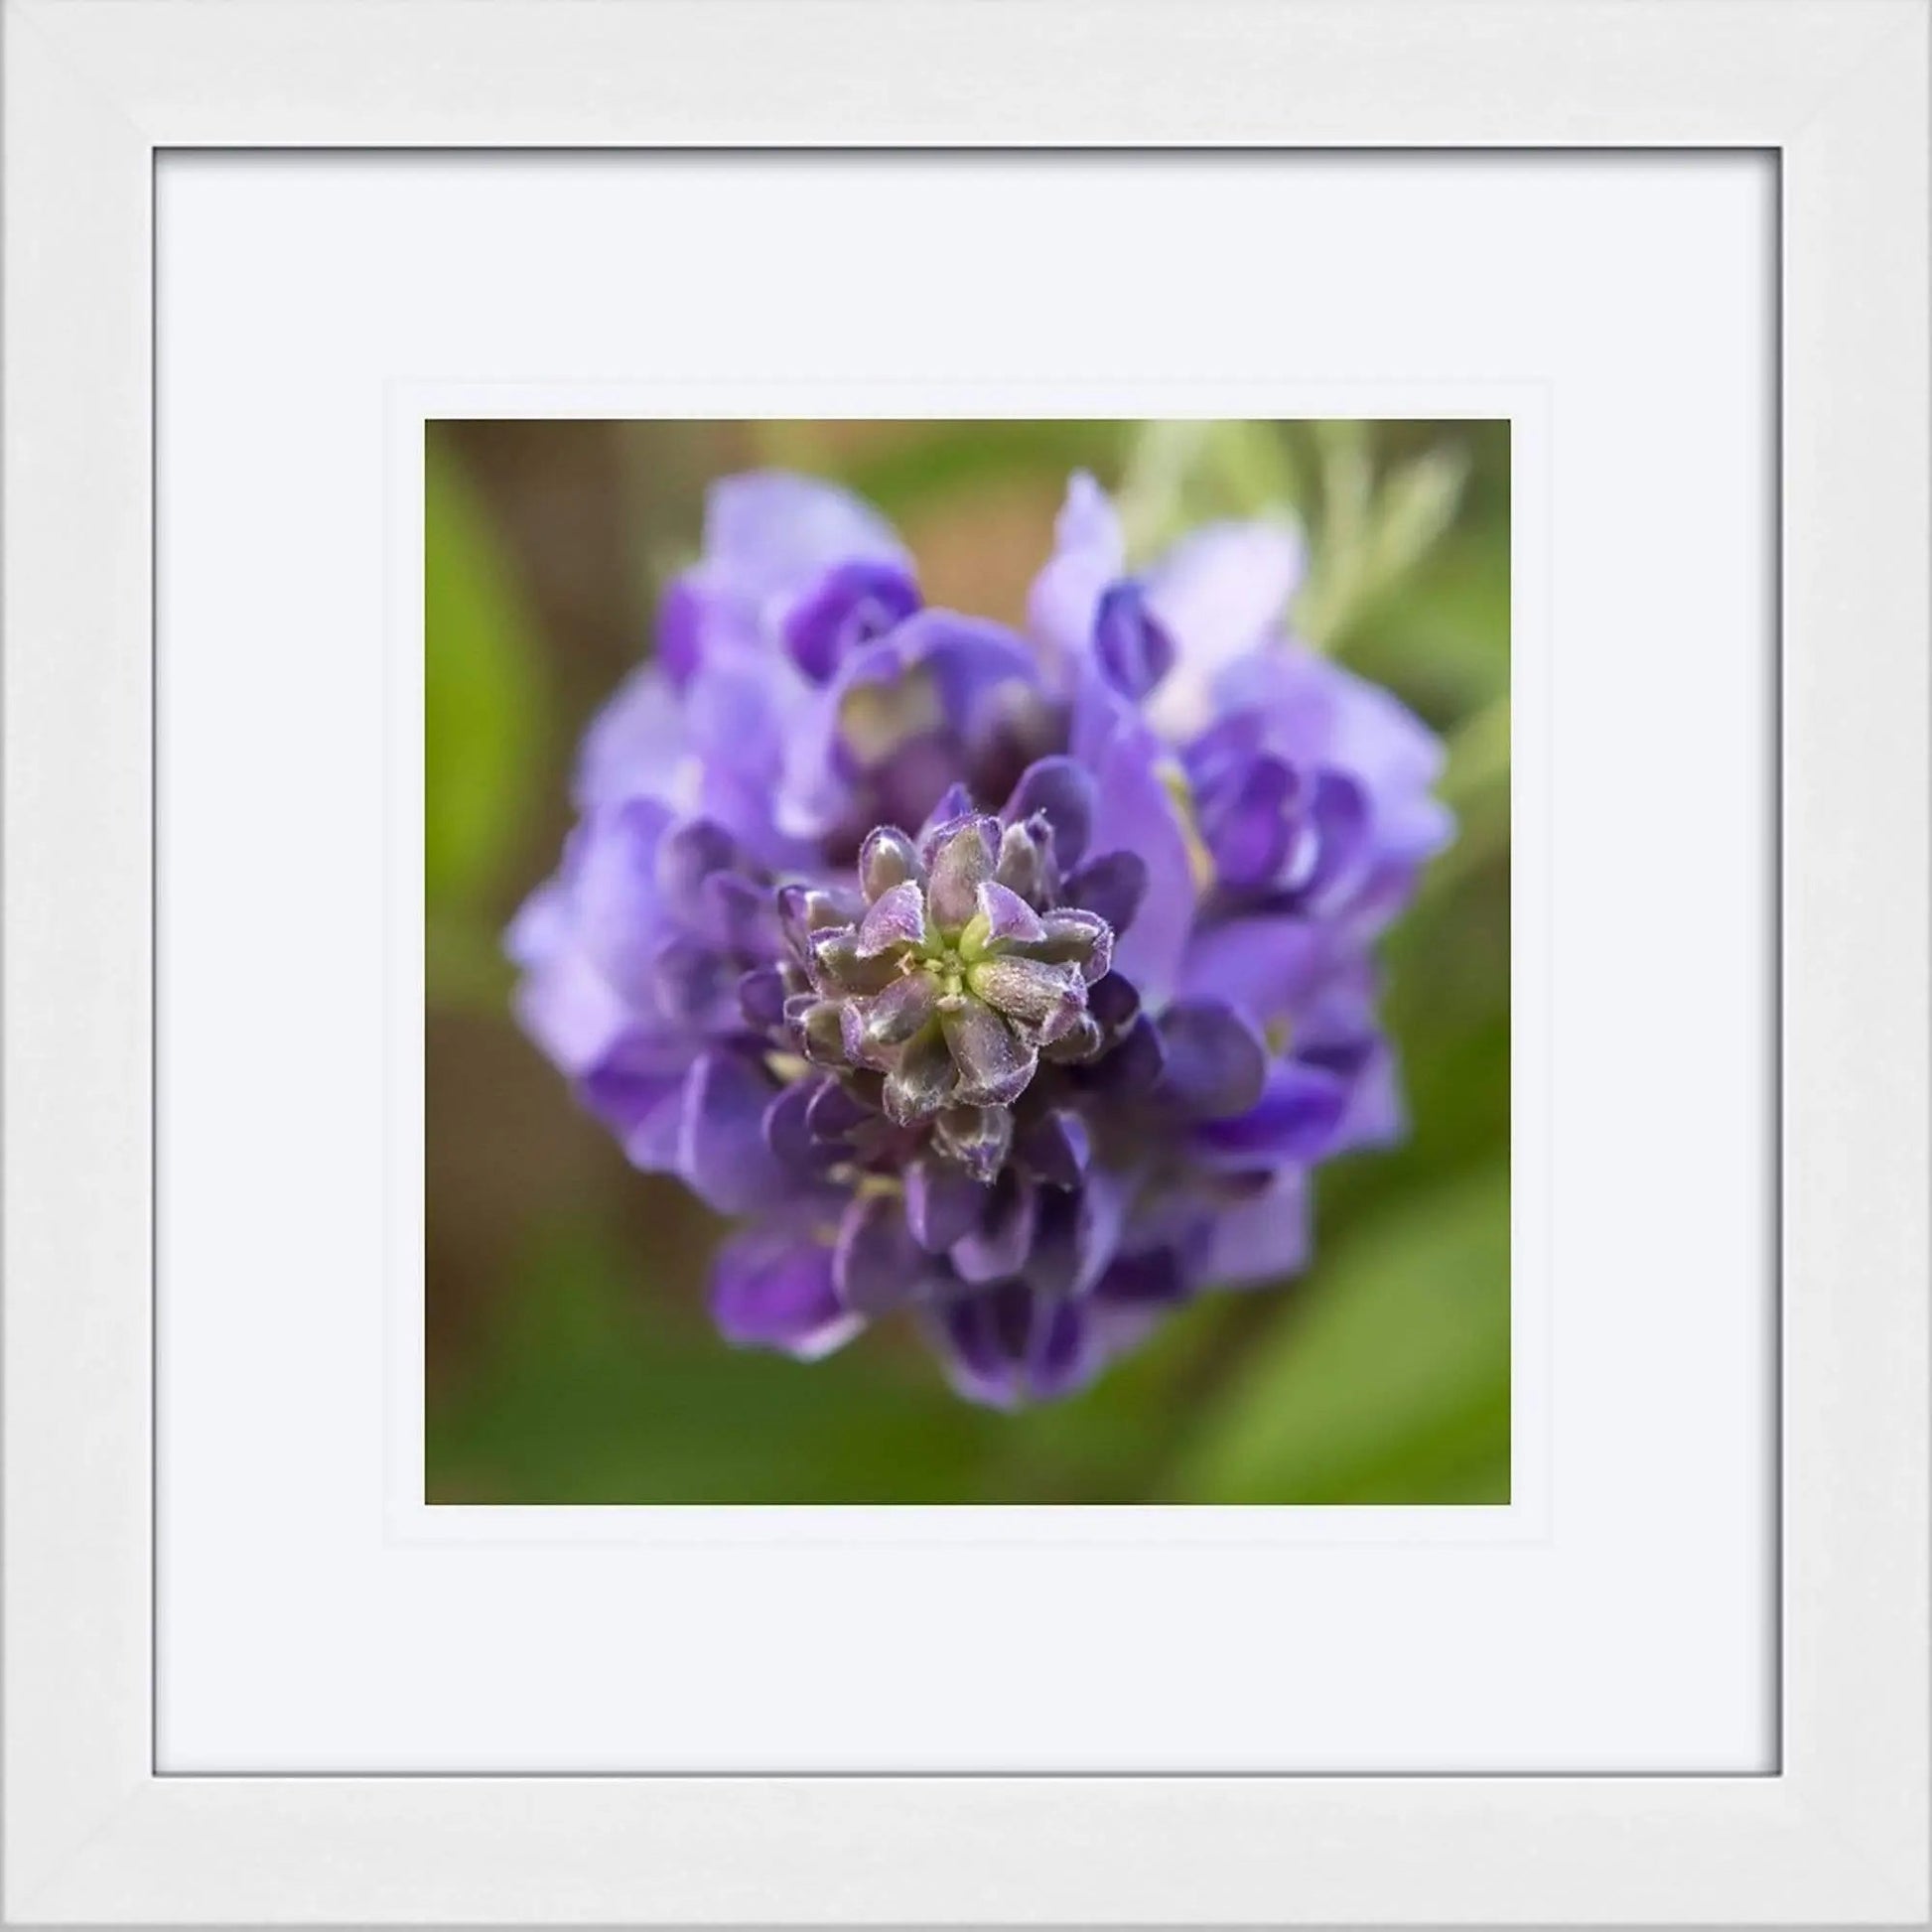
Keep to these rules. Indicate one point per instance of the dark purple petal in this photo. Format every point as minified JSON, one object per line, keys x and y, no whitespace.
{"x":774,"y":1290}
{"x":876,"y":1264}
{"x":943,"y":1202}
{"x":762,"y":997}
{"x":722,"y":1152}
{"x":636,"y":1088}
{"x":996,"y":1248}
{"x":1111,"y":888}
{"x":737,"y":914}
{"x":687,"y":855}
{"x":887,"y":859}
{"x":1058,"y":1361}
{"x":995,"y":1064}
{"x":1077,"y":1234}
{"x":1056,"y":1148}
{"x":1155,"y":1277}
{"x":1225,"y":749}
{"x":1294,"y":1119}
{"x":1061,"y":792}
{"x":787,"y":1129}
{"x":1216,"y":1062}
{"x":852,"y":603}
{"x":1134,"y":1065}
{"x":1130,"y":642}
{"x":680,"y":629}
{"x":834,"y":1113}
{"x":954,"y":803}
{"x":695,"y":987}
{"x":1340,"y":822}
{"x":1251,"y":829}
{"x":1113,"y":1001}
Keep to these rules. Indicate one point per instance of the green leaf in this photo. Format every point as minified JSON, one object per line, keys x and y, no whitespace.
{"x":1384,"y":1377}
{"x":483,"y":696}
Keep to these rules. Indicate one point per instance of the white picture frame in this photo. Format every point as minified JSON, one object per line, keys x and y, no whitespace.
{"x":95,"y":89}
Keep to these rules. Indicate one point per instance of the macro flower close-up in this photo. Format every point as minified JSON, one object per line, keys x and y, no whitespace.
{"x":967,"y":961}
{"x":1009,"y":981}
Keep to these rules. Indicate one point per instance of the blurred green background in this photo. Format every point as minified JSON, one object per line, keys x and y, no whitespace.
{"x":570,"y":1359}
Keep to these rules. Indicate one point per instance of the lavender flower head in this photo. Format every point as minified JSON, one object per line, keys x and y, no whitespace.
{"x":1008,"y":983}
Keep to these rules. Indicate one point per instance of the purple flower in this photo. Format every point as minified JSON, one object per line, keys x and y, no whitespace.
{"x":1012,"y":984}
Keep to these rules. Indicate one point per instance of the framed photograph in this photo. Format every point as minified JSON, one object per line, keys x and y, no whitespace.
{"x":966,"y":964}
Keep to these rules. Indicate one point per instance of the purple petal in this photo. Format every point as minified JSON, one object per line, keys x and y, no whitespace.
{"x":954,"y":803}
{"x":1113,"y":1001}
{"x":1130,"y":643}
{"x":876,"y":1264}
{"x":721,"y":1149}
{"x":1135,"y":812}
{"x":1060,"y":1358}
{"x":774,"y":1290}
{"x":1061,"y":792}
{"x":737,"y":914}
{"x":996,"y":1248}
{"x":850,"y":605}
{"x":633,"y":745}
{"x":1056,"y":1148}
{"x":1216,"y":1062}
{"x":1111,"y":888}
{"x":1218,"y":593}
{"x":1134,"y":1065}
{"x":835,"y":1114}
{"x":1262,"y":1239}
{"x":1155,"y":1277}
{"x":787,"y":1129}
{"x":762,"y":996}
{"x":636,"y":1089}
{"x":1251,"y":829}
{"x":689,"y":854}
{"x":1266,"y":968}
{"x":773,"y":532}
{"x":943,"y":1202}
{"x":1088,"y":552}
{"x":695,"y":987}
{"x":1294,"y":1119}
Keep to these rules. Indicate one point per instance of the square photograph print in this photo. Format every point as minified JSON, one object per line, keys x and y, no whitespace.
{"x":967,"y":962}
